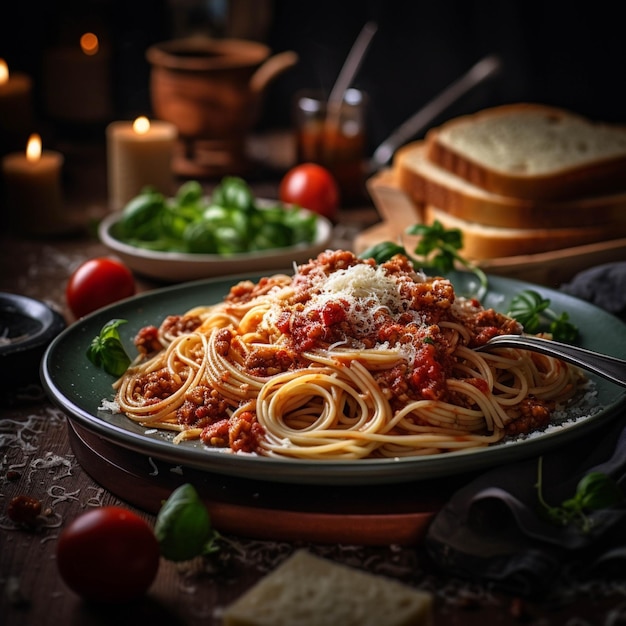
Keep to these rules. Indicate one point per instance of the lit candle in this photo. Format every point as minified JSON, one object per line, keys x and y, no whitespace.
{"x":32,"y":183}
{"x":139,"y":154}
{"x":77,"y":81}
{"x":16,"y":109}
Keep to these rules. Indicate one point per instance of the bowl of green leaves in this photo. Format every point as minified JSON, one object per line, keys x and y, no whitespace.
{"x":192,"y":235}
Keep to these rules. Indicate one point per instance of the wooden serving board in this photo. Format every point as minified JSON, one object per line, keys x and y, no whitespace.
{"x":365,"y":515}
{"x":551,"y":269}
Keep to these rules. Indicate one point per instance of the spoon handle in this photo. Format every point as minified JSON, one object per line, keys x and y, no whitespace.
{"x":478,"y":73}
{"x":608,"y":367}
{"x":352,"y":63}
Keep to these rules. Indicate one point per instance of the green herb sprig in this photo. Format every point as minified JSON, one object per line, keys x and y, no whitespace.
{"x":533,"y":311}
{"x":438,"y":248}
{"x":594,"y":491}
{"x":107,"y":351}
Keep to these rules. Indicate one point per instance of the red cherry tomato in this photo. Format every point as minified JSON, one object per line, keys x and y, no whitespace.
{"x":312,"y":187}
{"x":96,"y":283}
{"x":108,"y":555}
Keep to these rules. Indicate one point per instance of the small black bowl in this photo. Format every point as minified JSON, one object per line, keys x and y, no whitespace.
{"x":27,"y":326}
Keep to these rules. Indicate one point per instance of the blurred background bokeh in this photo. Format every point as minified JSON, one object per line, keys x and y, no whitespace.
{"x":561,"y":54}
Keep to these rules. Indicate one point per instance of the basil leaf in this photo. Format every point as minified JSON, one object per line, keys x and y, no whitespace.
{"x":140,"y":216}
{"x":107,"y":351}
{"x":190,"y":192}
{"x":383,"y":251}
{"x":233,"y":193}
{"x":562,"y":329}
{"x":183,"y":526}
{"x":597,"y":490}
{"x":200,"y":237}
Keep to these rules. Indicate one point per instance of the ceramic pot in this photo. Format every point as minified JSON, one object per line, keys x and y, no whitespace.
{"x":212,"y":90}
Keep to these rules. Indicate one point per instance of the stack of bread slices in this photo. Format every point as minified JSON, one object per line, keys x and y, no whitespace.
{"x":519,"y":179}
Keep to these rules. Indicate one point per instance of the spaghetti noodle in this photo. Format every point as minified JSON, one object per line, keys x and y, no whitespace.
{"x":345,"y":359}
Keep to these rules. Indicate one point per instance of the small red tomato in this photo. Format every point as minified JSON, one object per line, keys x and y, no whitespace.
{"x":108,"y":554}
{"x":312,"y":187}
{"x":96,"y":283}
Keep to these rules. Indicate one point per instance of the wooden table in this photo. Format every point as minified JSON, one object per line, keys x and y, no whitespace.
{"x":37,"y":459}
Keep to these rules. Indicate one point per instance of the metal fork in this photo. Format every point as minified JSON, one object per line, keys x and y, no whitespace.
{"x":608,"y":367}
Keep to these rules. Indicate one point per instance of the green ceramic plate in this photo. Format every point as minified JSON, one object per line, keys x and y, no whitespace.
{"x":78,"y":388}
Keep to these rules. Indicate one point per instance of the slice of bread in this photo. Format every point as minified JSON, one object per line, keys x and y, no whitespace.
{"x":532,"y":151}
{"x":487,"y":242}
{"x":427,"y":183}
{"x":310,"y":591}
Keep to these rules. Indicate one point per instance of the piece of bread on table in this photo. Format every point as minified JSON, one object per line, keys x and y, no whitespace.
{"x":311,"y":591}
{"x":481,"y":241}
{"x":532,"y":151}
{"x":427,"y":183}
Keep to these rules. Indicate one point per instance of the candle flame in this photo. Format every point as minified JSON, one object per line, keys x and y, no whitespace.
{"x":141,"y":125}
{"x":4,"y":72}
{"x":89,"y":44}
{"x":33,"y":148}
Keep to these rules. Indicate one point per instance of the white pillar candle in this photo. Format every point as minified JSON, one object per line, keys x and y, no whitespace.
{"x":34,"y":197}
{"x":16,"y":108}
{"x":139,"y":154}
{"x":77,"y":81}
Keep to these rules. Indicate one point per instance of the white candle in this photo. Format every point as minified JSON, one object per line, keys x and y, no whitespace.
{"x":32,"y":182}
{"x":139,"y":154}
{"x":16,"y":108}
{"x":77,"y":81}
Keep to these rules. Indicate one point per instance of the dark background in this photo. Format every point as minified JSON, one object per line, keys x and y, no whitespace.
{"x":555,"y":53}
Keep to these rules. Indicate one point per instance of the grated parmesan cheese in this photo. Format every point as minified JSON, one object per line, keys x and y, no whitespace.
{"x":110,"y":406}
{"x":363,"y":282}
{"x":364,"y":290}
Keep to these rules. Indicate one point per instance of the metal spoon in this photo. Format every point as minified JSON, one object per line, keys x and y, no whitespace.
{"x":485,"y":68}
{"x":352,"y":64}
{"x":608,"y":367}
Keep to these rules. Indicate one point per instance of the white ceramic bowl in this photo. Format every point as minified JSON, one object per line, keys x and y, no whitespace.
{"x":180,"y":266}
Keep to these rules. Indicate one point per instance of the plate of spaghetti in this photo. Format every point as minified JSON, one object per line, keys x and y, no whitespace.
{"x":337,"y":371}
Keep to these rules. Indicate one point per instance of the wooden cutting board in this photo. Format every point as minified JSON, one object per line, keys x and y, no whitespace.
{"x":548,"y":268}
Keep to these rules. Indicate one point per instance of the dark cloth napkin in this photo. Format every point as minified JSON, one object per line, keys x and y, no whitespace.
{"x":604,"y":286}
{"x":493,"y":530}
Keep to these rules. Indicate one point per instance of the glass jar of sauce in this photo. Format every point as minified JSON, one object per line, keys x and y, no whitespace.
{"x":334,"y":136}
